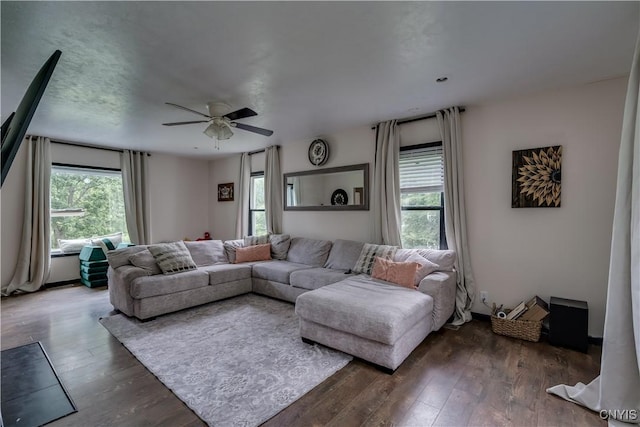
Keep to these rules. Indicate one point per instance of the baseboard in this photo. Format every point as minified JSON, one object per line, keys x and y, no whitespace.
{"x":62,"y":283}
{"x":480,"y":316}
{"x":545,"y":332}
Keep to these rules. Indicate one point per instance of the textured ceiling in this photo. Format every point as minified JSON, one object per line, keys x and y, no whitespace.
{"x":307,"y":68}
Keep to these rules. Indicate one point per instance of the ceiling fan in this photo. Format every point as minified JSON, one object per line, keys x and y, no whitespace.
{"x":221,"y":120}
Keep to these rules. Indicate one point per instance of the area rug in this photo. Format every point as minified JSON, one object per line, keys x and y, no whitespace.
{"x":234,"y":362}
{"x":32,"y":394}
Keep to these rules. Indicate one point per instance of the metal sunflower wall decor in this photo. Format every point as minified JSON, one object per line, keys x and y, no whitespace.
{"x":536,"y":178}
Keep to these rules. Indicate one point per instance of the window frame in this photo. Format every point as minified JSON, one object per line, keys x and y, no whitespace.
{"x":442,"y":232}
{"x":58,"y":253}
{"x":251,"y":211}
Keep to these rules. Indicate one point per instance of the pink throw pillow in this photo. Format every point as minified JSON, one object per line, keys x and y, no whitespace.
{"x":253,"y":253}
{"x":399,"y":273}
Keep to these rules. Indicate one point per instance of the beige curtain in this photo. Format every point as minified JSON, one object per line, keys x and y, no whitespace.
{"x":386,"y":185}
{"x":454,"y":210}
{"x":273,"y":190}
{"x":34,"y":256}
{"x":135,"y":170}
{"x":244,"y":182}
{"x":617,"y":390}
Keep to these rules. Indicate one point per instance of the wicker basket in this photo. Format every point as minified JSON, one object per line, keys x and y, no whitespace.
{"x":523,"y":329}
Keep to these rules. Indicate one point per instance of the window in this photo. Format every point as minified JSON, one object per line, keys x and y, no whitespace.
{"x":257,"y":218}
{"x":85,"y":203}
{"x":422,"y":196}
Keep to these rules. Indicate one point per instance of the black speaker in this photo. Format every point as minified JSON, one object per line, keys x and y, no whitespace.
{"x":569,"y":323}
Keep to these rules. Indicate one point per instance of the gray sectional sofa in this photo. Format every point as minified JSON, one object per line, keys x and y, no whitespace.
{"x":369,"y":318}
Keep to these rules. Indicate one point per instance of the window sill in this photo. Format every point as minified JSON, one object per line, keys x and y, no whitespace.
{"x":62,"y":254}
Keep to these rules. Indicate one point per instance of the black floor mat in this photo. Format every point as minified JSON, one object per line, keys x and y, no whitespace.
{"x":32,"y":394}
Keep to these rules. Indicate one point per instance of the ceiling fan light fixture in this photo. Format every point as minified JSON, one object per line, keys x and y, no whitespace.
{"x":224,"y":133}
{"x":219,"y":129}
{"x":210,"y":131}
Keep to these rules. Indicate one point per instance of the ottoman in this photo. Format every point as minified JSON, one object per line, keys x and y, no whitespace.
{"x":370,"y":319}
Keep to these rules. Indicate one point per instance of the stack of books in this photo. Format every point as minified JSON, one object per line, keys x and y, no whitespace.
{"x":533,"y":310}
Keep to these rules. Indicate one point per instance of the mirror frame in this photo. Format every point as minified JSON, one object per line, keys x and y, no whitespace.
{"x":364,"y":167}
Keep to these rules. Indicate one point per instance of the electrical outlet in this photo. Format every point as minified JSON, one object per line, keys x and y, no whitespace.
{"x":484,"y":296}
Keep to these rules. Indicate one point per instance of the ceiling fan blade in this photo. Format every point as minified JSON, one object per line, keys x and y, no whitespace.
{"x":261,"y":131}
{"x":188,"y":109}
{"x":185,"y":123}
{"x":240,"y":114}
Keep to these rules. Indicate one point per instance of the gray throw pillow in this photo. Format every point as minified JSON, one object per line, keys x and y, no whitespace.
{"x":368,"y":255}
{"x":206,"y":252}
{"x":120,"y":257}
{"x":230,"y":247}
{"x":444,"y":259}
{"x":145,"y":261}
{"x":172,"y":257}
{"x":279,"y":245}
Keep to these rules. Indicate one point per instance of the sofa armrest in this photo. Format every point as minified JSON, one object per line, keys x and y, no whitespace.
{"x":120,"y":286}
{"x":441,"y":286}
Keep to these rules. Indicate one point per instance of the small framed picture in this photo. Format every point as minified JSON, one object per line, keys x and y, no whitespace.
{"x":357,"y":195}
{"x":225,"y":192}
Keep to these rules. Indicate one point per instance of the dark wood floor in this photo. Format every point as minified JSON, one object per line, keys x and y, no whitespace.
{"x":454,"y":378}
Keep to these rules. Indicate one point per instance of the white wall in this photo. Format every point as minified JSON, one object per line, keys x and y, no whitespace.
{"x":563,"y":252}
{"x":179,"y":194}
{"x":345,"y":148}
{"x":179,"y":198}
{"x":222,"y":215}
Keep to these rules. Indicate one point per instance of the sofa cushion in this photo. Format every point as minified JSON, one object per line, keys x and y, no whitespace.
{"x":311,"y":252}
{"x":145,"y":261}
{"x":149,"y":286}
{"x":279,"y":245}
{"x":253,"y":253}
{"x":172,"y":258}
{"x":444,"y":259}
{"x":314,"y":278}
{"x":223,"y":273}
{"x":256,"y":240}
{"x":120,"y":257}
{"x":344,"y":254}
{"x":277,"y":271}
{"x":357,"y":305}
{"x":230,"y":247}
{"x":206,"y":252}
{"x":369,"y":252}
{"x":398,"y":273}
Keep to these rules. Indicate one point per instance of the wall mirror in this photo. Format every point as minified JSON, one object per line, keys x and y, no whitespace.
{"x":331,"y":189}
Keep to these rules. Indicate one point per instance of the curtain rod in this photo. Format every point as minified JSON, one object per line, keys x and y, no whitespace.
{"x":425,"y":117}
{"x":262,"y":150}
{"x":95,"y":147}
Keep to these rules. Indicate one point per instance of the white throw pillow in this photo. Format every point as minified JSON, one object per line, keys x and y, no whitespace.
{"x":70,"y":246}
{"x":105,"y":242}
{"x":368,"y":255}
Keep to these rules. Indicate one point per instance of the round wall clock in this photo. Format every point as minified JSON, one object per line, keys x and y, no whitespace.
{"x":318,"y":152}
{"x":339,"y":197}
